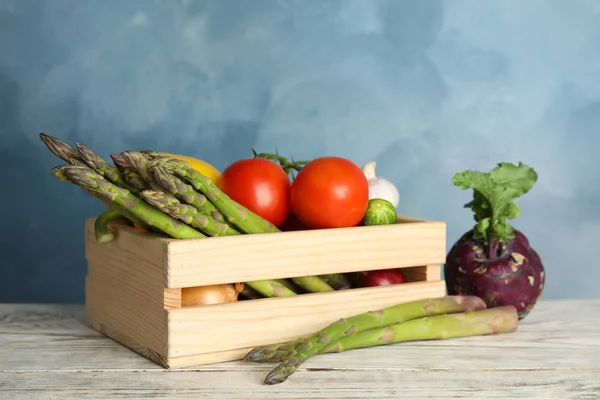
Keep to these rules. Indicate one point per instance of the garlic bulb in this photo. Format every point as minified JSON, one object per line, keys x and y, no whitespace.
{"x":380,"y":188}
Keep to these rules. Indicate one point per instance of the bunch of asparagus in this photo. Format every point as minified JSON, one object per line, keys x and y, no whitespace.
{"x":167,"y":195}
{"x":428,"y":319}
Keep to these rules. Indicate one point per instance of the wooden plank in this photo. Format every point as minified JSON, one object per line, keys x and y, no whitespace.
{"x":230,"y":259}
{"x":144,"y":248}
{"x":557,"y":335}
{"x":126,"y":314}
{"x":312,"y":384}
{"x":222,"y":327}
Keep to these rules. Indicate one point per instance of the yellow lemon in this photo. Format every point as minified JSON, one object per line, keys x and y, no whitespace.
{"x":203,"y":167}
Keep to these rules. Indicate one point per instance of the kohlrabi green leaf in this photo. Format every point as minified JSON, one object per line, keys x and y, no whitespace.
{"x":493,"y":196}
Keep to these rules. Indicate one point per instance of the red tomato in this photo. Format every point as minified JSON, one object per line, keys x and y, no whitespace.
{"x":330,"y":192}
{"x":261,"y":186}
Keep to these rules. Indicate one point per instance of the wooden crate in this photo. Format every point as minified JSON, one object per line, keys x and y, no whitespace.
{"x":134,"y":284}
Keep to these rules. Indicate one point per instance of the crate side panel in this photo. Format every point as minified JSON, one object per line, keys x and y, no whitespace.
{"x":134,"y":260}
{"x":289,"y":254}
{"x":130,"y":244}
{"x":224,"y":327}
{"x":96,"y":318}
{"x":118,"y":307}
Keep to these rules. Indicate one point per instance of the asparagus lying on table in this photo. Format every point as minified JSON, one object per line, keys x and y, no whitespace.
{"x":436,"y":327}
{"x":170,"y":205}
{"x":352,"y":325}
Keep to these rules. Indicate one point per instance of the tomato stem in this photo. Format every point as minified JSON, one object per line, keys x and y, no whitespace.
{"x":287,"y":166}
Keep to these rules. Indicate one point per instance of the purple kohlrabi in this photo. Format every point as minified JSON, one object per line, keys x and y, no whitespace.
{"x":493,"y":260}
{"x":514,"y":276}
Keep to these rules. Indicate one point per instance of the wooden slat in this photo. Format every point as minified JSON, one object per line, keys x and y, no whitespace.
{"x":316,"y":384}
{"x":47,"y":352}
{"x":230,"y":259}
{"x":134,"y":259}
{"x":243,"y":324}
{"x":122,"y":312}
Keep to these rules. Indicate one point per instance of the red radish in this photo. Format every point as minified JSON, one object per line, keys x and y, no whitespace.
{"x":382,"y":277}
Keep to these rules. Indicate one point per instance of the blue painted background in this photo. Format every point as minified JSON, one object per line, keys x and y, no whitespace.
{"x":425,"y":88}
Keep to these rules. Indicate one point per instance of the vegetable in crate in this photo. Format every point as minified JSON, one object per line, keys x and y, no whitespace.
{"x":121,"y":198}
{"x":379,"y":212}
{"x":381,"y":277}
{"x":493,"y":260}
{"x":210,"y":294}
{"x":330,"y":192}
{"x":261,"y":186}
{"x":205,"y":168}
{"x":236,"y":214}
{"x":380,"y":188}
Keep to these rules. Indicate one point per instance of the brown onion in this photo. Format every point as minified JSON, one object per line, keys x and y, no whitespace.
{"x":210,"y":294}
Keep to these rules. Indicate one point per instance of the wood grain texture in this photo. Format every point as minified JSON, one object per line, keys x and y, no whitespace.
{"x":211,"y":261}
{"x":47,"y":352}
{"x":312,"y":384}
{"x":134,"y":285}
{"x":243,"y":324}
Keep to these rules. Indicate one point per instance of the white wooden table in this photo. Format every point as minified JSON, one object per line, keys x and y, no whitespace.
{"x":47,"y":352}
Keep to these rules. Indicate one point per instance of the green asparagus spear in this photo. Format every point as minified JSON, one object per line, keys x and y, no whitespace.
{"x":337,"y":281}
{"x":90,"y":181}
{"x":59,"y":148}
{"x":151,"y":153}
{"x":249,"y":293}
{"x":287,"y":283}
{"x":185,"y":192}
{"x":312,"y":284}
{"x":104,"y":234}
{"x":271,"y":288}
{"x":168,"y":204}
{"x":436,"y":327}
{"x":59,"y":173}
{"x":119,"y":162}
{"x":140,"y":163}
{"x":360,"y":322}
{"x":133,"y":179}
{"x":245,"y":220}
{"x":97,"y":163}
